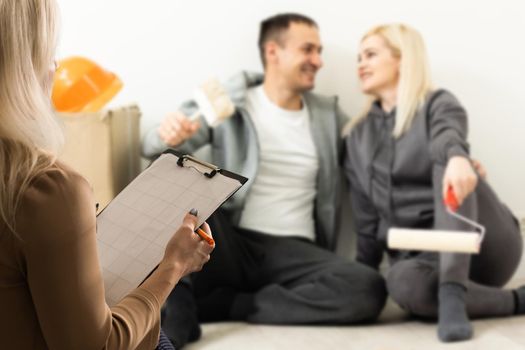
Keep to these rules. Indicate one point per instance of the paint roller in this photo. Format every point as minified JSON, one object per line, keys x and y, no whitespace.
{"x":213,"y":102}
{"x":440,"y":240}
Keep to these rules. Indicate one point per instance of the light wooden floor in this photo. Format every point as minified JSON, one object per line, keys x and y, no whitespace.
{"x":393,"y":331}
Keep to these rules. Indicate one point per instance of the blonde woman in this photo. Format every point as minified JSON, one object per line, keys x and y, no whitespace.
{"x":403,"y":153}
{"x":51,"y":288}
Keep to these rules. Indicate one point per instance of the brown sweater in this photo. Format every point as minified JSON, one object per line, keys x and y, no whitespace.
{"x":51,"y":287}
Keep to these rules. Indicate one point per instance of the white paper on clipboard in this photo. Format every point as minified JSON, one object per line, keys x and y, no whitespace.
{"x":133,"y":230}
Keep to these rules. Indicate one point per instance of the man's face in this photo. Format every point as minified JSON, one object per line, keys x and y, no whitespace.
{"x":297,"y":58}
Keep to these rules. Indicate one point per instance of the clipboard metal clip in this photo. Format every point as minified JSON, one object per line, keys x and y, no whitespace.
{"x":213,"y":169}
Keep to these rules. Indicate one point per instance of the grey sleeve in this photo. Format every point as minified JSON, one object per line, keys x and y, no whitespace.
{"x":448,"y":128}
{"x":366,"y":219}
{"x":342,"y":120}
{"x":342,"y":117}
{"x":153,"y":146}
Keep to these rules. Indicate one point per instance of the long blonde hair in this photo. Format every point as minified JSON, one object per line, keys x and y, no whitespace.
{"x":415,"y":82}
{"x":30,"y":136}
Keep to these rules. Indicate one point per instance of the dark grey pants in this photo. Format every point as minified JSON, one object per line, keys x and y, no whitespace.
{"x":260,"y":278}
{"x":413,"y":283}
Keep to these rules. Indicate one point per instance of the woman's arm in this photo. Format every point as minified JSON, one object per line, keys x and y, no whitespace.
{"x":57,"y":224}
{"x":448,"y":126}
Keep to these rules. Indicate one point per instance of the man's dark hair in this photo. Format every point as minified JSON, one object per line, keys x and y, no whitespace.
{"x":273,"y":28}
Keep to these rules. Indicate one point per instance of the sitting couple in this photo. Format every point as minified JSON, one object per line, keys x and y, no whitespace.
{"x":274,"y":261}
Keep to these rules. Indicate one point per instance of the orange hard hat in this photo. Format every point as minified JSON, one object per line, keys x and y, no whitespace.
{"x":81,"y":85}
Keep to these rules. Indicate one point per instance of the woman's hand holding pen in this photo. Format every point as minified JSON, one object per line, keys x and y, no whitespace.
{"x":187,"y":251}
{"x":459,"y":175}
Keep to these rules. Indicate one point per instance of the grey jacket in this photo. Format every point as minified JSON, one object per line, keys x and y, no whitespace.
{"x":391,"y":179}
{"x":235,"y":147}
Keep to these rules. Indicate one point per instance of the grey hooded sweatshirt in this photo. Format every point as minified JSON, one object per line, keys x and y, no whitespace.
{"x":235,"y":147}
{"x":391,"y":179}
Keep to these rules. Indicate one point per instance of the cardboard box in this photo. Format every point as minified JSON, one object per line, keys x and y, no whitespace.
{"x":104,"y":147}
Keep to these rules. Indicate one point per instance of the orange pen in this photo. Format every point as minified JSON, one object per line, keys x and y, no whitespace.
{"x":205,"y":236}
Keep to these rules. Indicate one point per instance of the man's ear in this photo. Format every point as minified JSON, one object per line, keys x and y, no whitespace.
{"x":270,"y":52}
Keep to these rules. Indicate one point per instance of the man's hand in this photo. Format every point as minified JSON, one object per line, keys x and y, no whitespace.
{"x":177,"y":128}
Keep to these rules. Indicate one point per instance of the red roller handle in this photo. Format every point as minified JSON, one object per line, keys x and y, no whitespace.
{"x":450,"y":199}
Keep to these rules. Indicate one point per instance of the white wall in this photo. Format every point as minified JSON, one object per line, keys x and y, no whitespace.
{"x":163,"y":48}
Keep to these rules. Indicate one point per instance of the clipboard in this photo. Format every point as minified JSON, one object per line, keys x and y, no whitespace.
{"x":133,"y":230}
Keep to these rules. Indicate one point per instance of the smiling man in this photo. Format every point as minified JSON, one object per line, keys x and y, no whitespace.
{"x":274,"y":261}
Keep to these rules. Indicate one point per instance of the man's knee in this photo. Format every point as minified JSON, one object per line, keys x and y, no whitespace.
{"x":413,"y":285}
{"x":375,"y":289}
{"x":364,"y":295}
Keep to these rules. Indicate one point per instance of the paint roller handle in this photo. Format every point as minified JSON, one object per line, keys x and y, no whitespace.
{"x":450,"y":199}
{"x":452,"y":205}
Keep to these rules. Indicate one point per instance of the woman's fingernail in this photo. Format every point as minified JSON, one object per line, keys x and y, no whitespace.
{"x":194,"y":212}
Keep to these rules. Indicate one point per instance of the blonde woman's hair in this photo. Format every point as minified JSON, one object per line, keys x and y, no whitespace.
{"x":414,"y":84}
{"x":30,"y":136}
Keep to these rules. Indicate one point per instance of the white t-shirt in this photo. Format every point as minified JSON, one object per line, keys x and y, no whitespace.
{"x":281,"y":198}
